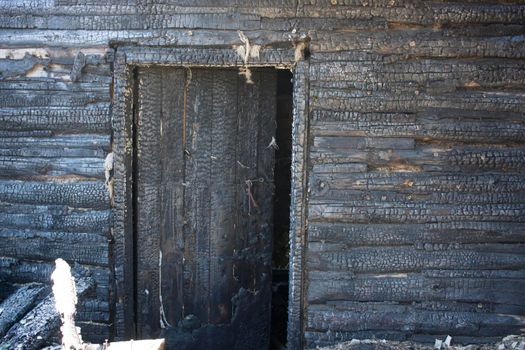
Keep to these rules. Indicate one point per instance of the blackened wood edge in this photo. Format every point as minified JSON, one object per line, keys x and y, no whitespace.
{"x":126,"y":58}
{"x":298,"y":205}
{"x":122,"y":120}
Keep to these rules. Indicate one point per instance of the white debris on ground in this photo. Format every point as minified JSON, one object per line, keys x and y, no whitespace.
{"x":511,"y":342}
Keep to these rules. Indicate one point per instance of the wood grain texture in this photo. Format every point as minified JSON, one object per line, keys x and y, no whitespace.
{"x":204,"y":226}
{"x":413,"y":148}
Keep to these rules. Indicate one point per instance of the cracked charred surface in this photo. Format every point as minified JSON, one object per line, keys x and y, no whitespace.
{"x":204,"y":206}
{"x":415,"y":152}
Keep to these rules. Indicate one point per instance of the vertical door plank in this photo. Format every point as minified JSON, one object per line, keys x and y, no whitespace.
{"x":197,"y":196}
{"x":222,"y":190}
{"x":172,"y":194}
{"x":248,"y":117}
{"x":148,"y":208}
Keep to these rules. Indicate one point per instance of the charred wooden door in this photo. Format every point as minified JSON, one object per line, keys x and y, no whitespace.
{"x":203,"y":206}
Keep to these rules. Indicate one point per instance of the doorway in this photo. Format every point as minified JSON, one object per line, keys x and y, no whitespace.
{"x":204,"y":193}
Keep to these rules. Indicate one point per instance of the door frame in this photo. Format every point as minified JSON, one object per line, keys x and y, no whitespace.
{"x":127,"y":58}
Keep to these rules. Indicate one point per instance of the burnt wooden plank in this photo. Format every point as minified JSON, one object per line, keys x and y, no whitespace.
{"x":123,"y":246}
{"x":382,"y":316}
{"x":53,"y":217}
{"x":85,"y":141}
{"x":199,"y":116}
{"x":71,"y":119}
{"x":488,"y":293}
{"x":42,"y":322}
{"x":430,"y":158}
{"x":137,"y":21}
{"x":173,"y":146}
{"x":329,"y":257}
{"x":432,"y":75}
{"x":28,"y":98}
{"x":79,"y":194}
{"x":418,"y":182}
{"x":418,"y":13}
{"x":413,"y":100}
{"x":459,"y":126}
{"x":222,"y":194}
{"x":380,"y":212}
{"x":93,"y":310}
{"x":15,"y":166}
{"x":246,"y":169}
{"x":148,"y":121}
{"x":88,"y":248}
{"x":368,"y":234}
{"x":425,"y":43}
{"x":321,"y":143}
{"x":18,"y":304}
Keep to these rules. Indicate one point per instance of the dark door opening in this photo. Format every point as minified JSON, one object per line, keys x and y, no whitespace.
{"x":205,"y":198}
{"x":281,"y":207}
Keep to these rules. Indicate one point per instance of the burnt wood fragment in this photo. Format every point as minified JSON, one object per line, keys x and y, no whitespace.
{"x":18,"y":304}
{"x":41,"y":323}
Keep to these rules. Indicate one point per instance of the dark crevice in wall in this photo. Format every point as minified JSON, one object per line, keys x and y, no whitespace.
{"x":135,"y":193}
{"x":282,"y":176}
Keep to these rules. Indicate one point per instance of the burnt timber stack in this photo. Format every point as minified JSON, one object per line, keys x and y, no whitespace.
{"x":413,"y":178}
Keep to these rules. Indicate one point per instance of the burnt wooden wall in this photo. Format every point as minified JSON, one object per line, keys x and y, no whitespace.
{"x":416,"y":152}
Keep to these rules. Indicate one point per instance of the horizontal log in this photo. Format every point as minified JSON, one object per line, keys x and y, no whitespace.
{"x":364,"y":211}
{"x":381,"y":316}
{"x":71,"y":119}
{"x":89,"y":141}
{"x":426,"y":43}
{"x":77,"y":194}
{"x":28,"y":98}
{"x":137,"y":21}
{"x":32,"y":166}
{"x":355,"y":142}
{"x":59,"y":146}
{"x":418,"y":182}
{"x":52,"y":85}
{"x":18,"y":304}
{"x":414,"y":100}
{"x":92,"y":38}
{"x":25,"y":133}
{"x":324,"y":194}
{"x":54,"y":218}
{"x":55,"y":74}
{"x":422,"y":13}
{"x":431,"y":75}
{"x":41,"y":323}
{"x":430,"y":124}
{"x":87,"y":248}
{"x":328,"y":257}
{"x":92,"y":310}
{"x":429,"y":158}
{"x":26,"y":271}
{"x":270,"y":8}
{"x":354,"y":235}
{"x":481,"y":294}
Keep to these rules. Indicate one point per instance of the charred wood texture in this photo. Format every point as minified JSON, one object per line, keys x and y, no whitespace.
{"x":18,"y":304}
{"x":415,"y":147}
{"x":41,"y":323}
